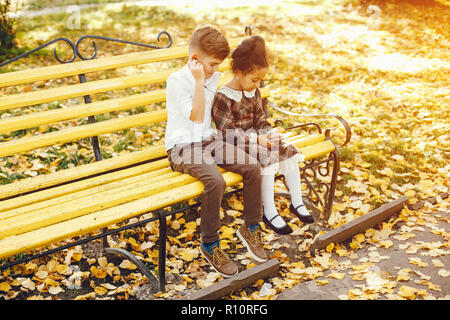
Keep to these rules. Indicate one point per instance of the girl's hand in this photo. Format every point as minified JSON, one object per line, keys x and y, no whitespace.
{"x":274,"y":135}
{"x":197,"y":70}
{"x":263,"y":141}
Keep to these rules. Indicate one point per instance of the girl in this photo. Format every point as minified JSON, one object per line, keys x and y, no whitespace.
{"x":238,"y":113}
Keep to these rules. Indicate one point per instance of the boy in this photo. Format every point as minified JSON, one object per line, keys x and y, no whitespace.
{"x":194,"y":148}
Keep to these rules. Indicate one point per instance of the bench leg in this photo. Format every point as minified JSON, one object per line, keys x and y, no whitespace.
{"x":162,"y":250}
{"x":330,"y":196}
{"x":127,"y":255}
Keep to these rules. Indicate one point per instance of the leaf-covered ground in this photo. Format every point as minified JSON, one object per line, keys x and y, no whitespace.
{"x":382,"y":65}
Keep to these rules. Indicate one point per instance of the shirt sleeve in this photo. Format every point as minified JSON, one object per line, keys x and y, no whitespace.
{"x":224,"y":119}
{"x":260,"y":122}
{"x":179,"y":98}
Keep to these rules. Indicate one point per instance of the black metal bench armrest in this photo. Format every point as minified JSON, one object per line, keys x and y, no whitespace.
{"x":348,"y":131}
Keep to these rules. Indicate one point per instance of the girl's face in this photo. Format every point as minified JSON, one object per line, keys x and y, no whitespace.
{"x":250,"y":81}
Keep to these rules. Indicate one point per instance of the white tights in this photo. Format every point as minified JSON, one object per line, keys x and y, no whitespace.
{"x":289,"y":168}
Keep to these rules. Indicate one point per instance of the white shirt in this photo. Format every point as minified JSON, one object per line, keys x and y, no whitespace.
{"x":179,"y":97}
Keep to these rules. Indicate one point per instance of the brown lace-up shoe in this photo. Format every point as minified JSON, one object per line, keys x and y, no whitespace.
{"x":251,"y":237}
{"x":219,"y":260}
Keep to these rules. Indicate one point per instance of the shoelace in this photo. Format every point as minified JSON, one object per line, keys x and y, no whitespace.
{"x":255,"y":236}
{"x":219,"y":256}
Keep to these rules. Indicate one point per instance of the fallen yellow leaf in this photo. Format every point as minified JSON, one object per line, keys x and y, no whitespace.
{"x":444,"y":273}
{"x":354,"y":293}
{"x":298,"y":264}
{"x":386,"y":243}
{"x":403,"y":277}
{"x":62,"y":268}
{"x":360,"y":237}
{"x":418,"y":262}
{"x":90,"y":295}
{"x":250,"y":265}
{"x":321,"y":282}
{"x":50,"y":282}
{"x":337,"y":275}
{"x":407,"y":292}
{"x":28,"y":284}
{"x":100,"y":290}
{"x":340,"y":206}
{"x":55,"y":290}
{"x":175,"y":225}
{"x":99,"y":273}
{"x":227,"y":232}
{"x":354,"y":245}
{"x":188,"y":255}
{"x":4,"y":286}
{"x":126,"y":264}
{"x":330,"y":247}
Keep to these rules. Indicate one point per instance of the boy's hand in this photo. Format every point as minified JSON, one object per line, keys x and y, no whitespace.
{"x":197,"y":70}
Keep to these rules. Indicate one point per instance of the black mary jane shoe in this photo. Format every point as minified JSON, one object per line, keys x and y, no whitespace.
{"x":283,"y":231}
{"x":304,"y":219}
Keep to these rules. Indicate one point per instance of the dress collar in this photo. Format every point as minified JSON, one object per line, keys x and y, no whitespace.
{"x":236,"y":95}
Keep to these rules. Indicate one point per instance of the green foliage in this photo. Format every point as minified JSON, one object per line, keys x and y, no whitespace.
{"x":8,"y":43}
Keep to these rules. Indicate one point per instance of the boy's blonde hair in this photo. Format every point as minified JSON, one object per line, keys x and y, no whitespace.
{"x":211,"y":41}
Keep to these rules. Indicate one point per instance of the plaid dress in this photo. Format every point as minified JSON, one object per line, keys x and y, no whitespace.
{"x":237,"y":114}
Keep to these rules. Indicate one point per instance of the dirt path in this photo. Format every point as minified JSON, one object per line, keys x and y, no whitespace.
{"x":413,"y":266}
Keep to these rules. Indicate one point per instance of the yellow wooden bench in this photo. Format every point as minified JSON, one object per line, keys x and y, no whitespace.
{"x":48,"y":208}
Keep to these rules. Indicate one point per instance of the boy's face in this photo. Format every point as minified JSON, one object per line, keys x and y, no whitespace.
{"x":252,"y":80}
{"x":209,"y":63}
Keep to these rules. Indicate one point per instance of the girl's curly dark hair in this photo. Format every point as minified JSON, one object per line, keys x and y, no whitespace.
{"x":251,"y":54}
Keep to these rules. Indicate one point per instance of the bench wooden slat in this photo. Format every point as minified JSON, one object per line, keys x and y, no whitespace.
{"x":52,"y":179}
{"x":80,"y":132}
{"x":318,"y":150}
{"x":75,"y":68}
{"x":104,"y":180}
{"x":83,"y":198}
{"x":81,"y":89}
{"x":72,"y":209}
{"x":301,"y":141}
{"x":115,"y":62}
{"x":88,"y":88}
{"x":81,"y":111}
{"x":37,"y":238}
{"x":85,"y":131}
{"x":85,"y":110}
{"x":45,"y":199}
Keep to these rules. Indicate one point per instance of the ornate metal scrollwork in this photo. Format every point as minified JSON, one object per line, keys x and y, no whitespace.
{"x":76,"y":51}
{"x":121,"y":41}
{"x":43,"y":46}
{"x":348,"y":131}
{"x":319,"y":192}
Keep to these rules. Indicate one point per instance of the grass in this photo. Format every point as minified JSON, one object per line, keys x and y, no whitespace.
{"x":42,"y":4}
